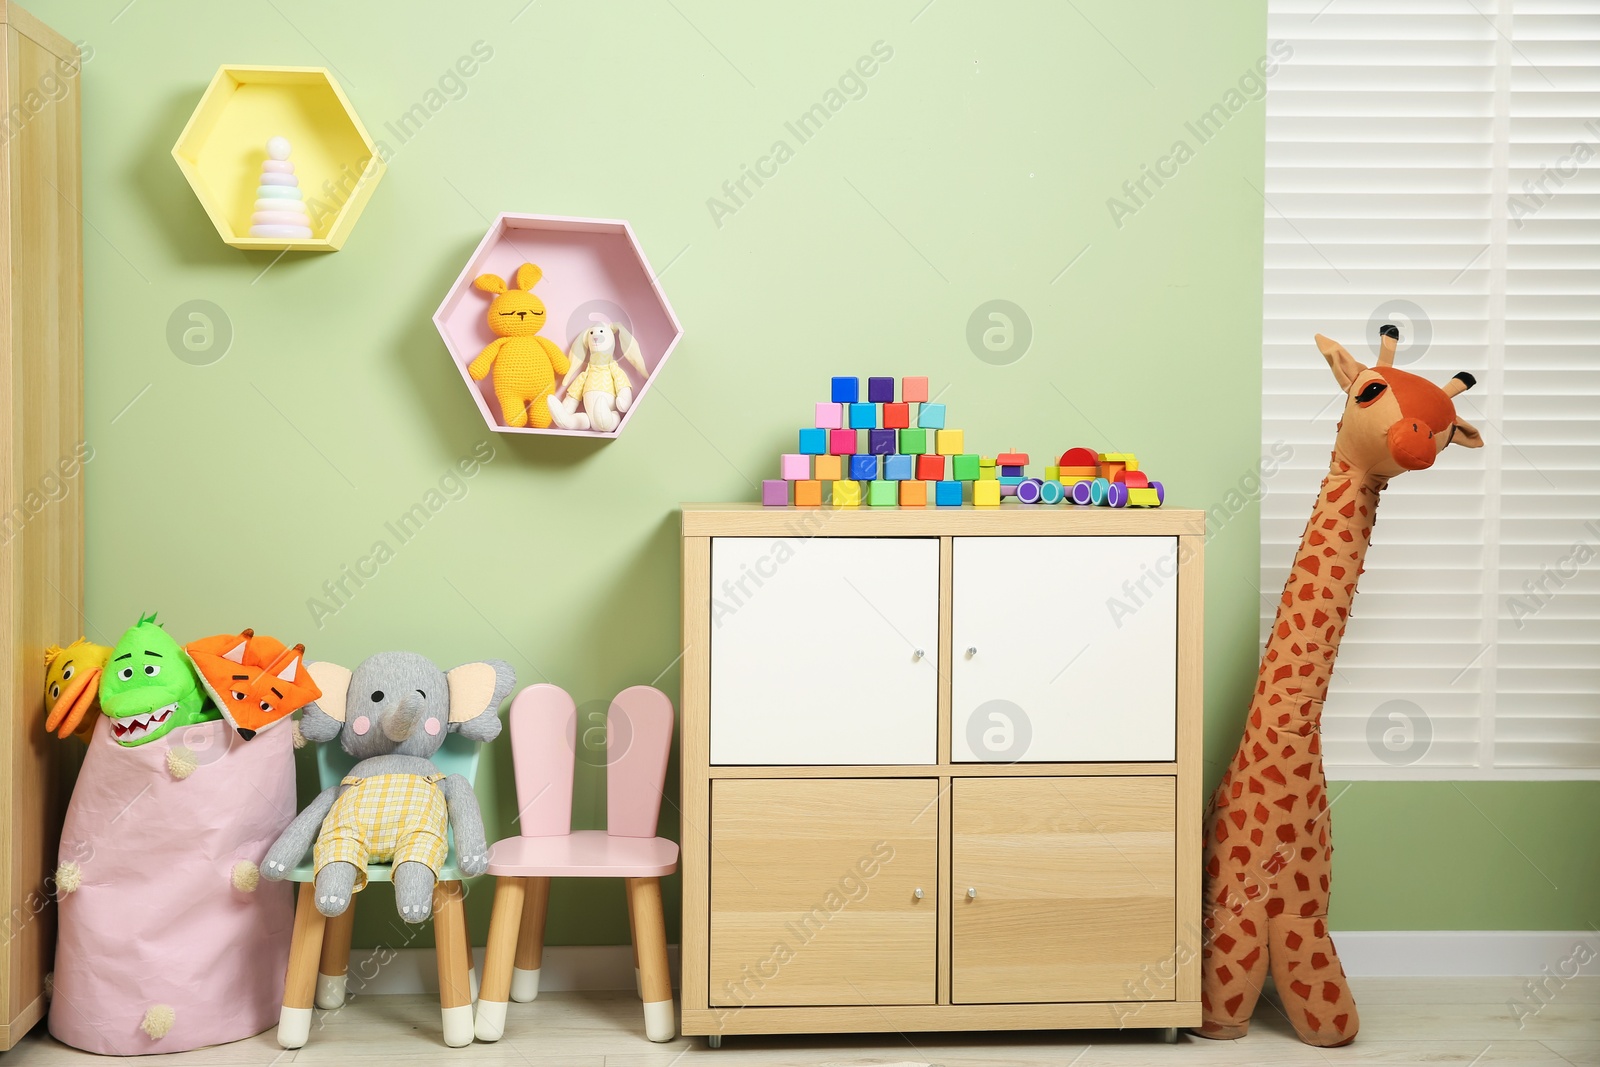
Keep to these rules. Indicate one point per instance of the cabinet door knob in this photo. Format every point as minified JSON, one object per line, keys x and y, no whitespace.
{"x":972,"y":650}
{"x":972,"y":893}
{"x":916,"y":653}
{"x":917,"y":892}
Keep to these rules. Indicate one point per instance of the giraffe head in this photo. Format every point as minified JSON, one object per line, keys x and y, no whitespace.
{"x":1394,"y":421}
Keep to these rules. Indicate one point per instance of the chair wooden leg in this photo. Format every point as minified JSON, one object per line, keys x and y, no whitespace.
{"x":633,"y":943}
{"x":455,"y":994}
{"x":333,"y":971}
{"x":650,"y":940}
{"x":300,"y":986}
{"x":530,"y":941}
{"x":466,"y":944}
{"x":505,"y":922}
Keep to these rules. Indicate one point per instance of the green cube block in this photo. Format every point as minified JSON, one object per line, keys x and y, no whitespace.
{"x":966,"y":468}
{"x":881,"y":494}
{"x":913,"y":442}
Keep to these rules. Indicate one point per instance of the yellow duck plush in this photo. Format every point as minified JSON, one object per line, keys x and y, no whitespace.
{"x":525,"y":364}
{"x":72,"y":688}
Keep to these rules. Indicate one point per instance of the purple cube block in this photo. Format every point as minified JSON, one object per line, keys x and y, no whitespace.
{"x":881,"y":442}
{"x":880,"y":390}
{"x":775,"y":493}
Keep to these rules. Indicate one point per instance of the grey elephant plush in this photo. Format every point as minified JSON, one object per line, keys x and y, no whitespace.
{"x":392,"y":713}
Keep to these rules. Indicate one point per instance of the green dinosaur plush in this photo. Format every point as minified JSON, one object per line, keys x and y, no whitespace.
{"x":150,"y":688}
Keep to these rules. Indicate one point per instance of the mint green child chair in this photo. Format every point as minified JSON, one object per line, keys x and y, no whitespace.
{"x":319,"y":957}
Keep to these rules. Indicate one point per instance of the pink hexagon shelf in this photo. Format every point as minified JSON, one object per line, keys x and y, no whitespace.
{"x":594,"y":270}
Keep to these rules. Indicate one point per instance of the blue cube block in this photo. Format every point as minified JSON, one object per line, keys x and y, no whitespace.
{"x":930,"y":416}
{"x":881,"y":442}
{"x":813,"y":442}
{"x":897,"y":468}
{"x":947,"y":494}
{"x":863,"y":416}
{"x":846,"y":390}
{"x":880,"y":390}
{"x":863,"y":468}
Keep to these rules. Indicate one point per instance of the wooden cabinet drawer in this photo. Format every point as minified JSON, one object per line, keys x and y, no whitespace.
{"x":1074,"y":889}
{"x":824,"y":651}
{"x":1064,"y":649}
{"x":814,"y":891}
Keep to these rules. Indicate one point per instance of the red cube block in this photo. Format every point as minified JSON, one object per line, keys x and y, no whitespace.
{"x":930,"y":468}
{"x":897,"y":416}
{"x":843,"y":442}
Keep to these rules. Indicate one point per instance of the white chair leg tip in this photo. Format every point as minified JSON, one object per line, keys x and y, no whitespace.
{"x":524,"y":985}
{"x":660,"y":1021}
{"x":330,"y":990}
{"x":491,"y":1024}
{"x":458,"y":1025}
{"x":294,"y":1027}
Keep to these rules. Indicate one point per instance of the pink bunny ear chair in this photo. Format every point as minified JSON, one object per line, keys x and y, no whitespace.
{"x":543,"y":746}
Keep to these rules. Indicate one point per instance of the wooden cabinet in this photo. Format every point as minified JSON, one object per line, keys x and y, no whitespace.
{"x":42,"y":455}
{"x":946,"y":768}
{"x":823,"y":891}
{"x":1062,"y":889}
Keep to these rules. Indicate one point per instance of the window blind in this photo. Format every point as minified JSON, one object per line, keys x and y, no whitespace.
{"x":1436,"y":164}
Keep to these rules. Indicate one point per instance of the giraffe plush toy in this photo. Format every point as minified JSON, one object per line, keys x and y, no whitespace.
{"x":1269,"y":850}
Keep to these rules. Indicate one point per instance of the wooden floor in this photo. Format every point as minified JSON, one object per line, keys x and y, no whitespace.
{"x":1403,"y":1021}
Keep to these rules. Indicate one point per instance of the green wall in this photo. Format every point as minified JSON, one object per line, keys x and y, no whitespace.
{"x":976,"y":164}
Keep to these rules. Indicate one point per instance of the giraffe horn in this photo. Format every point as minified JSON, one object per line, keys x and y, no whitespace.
{"x":1391,"y":340}
{"x":1459,"y":384}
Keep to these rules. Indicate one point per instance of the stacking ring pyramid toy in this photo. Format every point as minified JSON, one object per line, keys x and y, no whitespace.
{"x":280,"y":209}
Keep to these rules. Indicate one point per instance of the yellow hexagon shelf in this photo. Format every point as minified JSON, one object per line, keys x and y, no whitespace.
{"x":222,"y":149}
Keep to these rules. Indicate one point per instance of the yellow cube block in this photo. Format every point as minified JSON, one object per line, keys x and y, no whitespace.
{"x":828,"y":468}
{"x":986,"y":493}
{"x":913,"y":494}
{"x":847,"y":494}
{"x":948,"y":443}
{"x":1052,"y":474}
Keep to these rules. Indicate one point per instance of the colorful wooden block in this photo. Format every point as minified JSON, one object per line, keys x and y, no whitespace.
{"x":948,"y":442}
{"x":930,"y":468}
{"x":1146,"y":497}
{"x":1012,"y":459}
{"x":813,"y":442}
{"x":1029,"y":490}
{"x":947,"y":494}
{"x":986,"y":494}
{"x":775,"y":493}
{"x":930,"y":416}
{"x":830,"y":416}
{"x":863,"y":468}
{"x":914,"y":390}
{"x":808,"y":494}
{"x":897,"y":468}
{"x":842,"y":442}
{"x":883,"y":494}
{"x":913,"y":442}
{"x":964,"y":467}
{"x":880,"y":390}
{"x":846,"y":390}
{"x":1008,"y":470}
{"x":896,"y":416}
{"x":1079,"y":457}
{"x":863,"y":416}
{"x":913,"y":494}
{"x":828,"y":468}
{"x":1052,"y":473}
{"x":1051,"y":492}
{"x":846,"y":494}
{"x":880,"y":442}
{"x":795,"y":468}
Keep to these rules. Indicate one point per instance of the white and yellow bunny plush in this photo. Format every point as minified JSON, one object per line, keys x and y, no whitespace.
{"x":596,"y":379}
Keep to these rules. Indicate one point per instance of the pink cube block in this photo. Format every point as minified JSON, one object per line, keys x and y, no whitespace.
{"x":796,"y":468}
{"x":913,"y":390}
{"x":775,"y":493}
{"x":844,"y":442}
{"x":830,"y":416}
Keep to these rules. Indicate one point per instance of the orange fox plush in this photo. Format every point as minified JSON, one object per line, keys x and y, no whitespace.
{"x":253,"y":678}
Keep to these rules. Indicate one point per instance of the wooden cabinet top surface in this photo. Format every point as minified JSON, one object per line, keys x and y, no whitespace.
{"x":1010,"y":519}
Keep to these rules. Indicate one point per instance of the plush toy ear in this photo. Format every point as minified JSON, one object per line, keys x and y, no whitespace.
{"x":476,"y":690}
{"x":628,"y":348}
{"x":528,"y":276}
{"x":580,"y":348}
{"x":1464,"y":433}
{"x":334,"y":681}
{"x":489,"y":283}
{"x":1342,"y":363}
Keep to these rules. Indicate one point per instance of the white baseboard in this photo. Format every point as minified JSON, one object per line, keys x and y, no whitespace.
{"x":1364,"y":953}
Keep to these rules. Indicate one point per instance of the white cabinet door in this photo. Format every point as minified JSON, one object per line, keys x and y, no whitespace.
{"x":824,"y":650}
{"x":1065,"y":649}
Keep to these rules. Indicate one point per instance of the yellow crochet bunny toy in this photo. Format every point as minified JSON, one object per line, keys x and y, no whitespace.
{"x":602,"y":386}
{"x":525,"y":365}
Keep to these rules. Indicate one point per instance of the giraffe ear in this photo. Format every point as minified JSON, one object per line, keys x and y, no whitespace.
{"x":1464,"y":433}
{"x":1342,"y":363}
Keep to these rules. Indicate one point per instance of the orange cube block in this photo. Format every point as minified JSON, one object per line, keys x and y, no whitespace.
{"x":913,"y":494}
{"x":808,"y":493}
{"x":829,"y":468}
